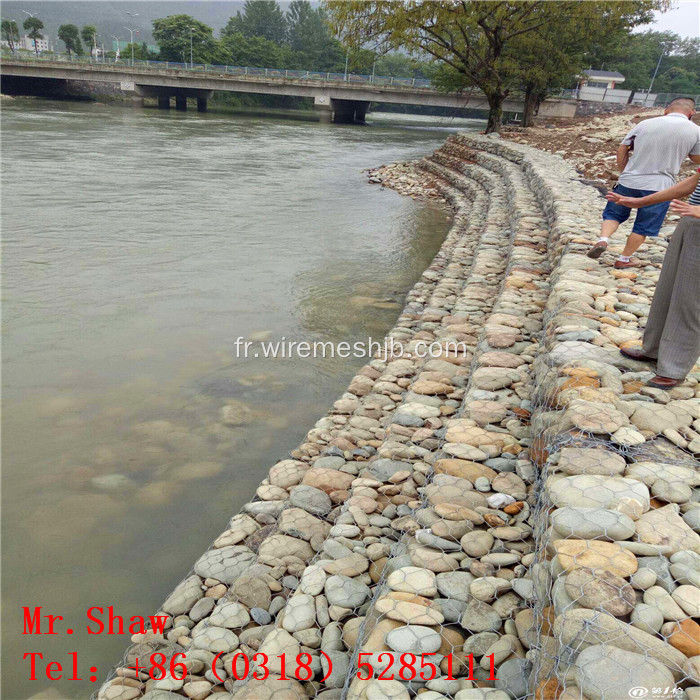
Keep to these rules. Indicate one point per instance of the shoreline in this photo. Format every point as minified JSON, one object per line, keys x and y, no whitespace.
{"x":423,"y":497}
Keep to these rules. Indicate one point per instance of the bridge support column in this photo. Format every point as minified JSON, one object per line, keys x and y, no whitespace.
{"x":322,"y":105}
{"x":349,"y":111}
{"x":163,"y":103}
{"x":136,"y":101}
{"x":181,"y":103}
{"x":201,"y":104}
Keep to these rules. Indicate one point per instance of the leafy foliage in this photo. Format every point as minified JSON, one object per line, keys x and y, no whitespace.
{"x":174,"y":33}
{"x":10,"y":32}
{"x":70,"y":36}
{"x":88,"y":34}
{"x":34,"y":25}
{"x":260,"y":18}
{"x":636,"y":56}
{"x":495,"y":46}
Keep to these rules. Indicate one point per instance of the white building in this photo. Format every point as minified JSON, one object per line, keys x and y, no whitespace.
{"x":27,"y":43}
{"x":609,"y":79}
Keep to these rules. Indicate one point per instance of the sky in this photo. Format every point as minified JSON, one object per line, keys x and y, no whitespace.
{"x":683,"y":19}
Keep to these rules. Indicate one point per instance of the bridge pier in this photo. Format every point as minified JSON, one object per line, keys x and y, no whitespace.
{"x":163,"y":102}
{"x":340,"y":111}
{"x":201,"y":104}
{"x":181,"y":103}
{"x":136,"y":101}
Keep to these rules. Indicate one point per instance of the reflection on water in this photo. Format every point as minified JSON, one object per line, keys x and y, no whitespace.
{"x":138,"y":246}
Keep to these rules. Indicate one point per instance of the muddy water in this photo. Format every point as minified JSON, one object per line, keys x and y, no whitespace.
{"x":138,"y":245}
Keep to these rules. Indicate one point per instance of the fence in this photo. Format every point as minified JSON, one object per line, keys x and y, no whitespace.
{"x":234,"y":70}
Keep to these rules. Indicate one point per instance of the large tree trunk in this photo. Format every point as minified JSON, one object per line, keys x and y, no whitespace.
{"x":495,"y":121}
{"x":530,"y":104}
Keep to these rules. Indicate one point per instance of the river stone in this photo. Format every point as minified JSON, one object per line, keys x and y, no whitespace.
{"x":480,"y":617}
{"x":253,"y":592}
{"x":688,"y":599}
{"x":384,"y":469}
{"x":595,"y":417}
{"x":297,"y":522}
{"x":592,"y":523}
{"x":594,"y":554}
{"x":451,"y":608}
{"x":230,"y":615}
{"x":410,"y":609}
{"x":412,"y":579}
{"x":185,"y":595}
{"x":335,"y":668}
{"x":310,"y":499}
{"x":346,"y":592}
{"x":279,"y":643}
{"x":455,"y":584}
{"x":664,"y":526}
{"x":656,"y":417}
{"x":269,"y":689}
{"x":225,"y":564}
{"x":491,"y":378}
{"x":586,"y":460}
{"x":414,"y":639}
{"x":583,"y":627}
{"x":477,"y":543}
{"x":512,"y":676}
{"x":279,"y":546}
{"x":604,"y":672}
{"x":214,"y":639}
{"x":385,"y":690}
{"x":595,"y":491}
{"x":327,"y":480}
{"x":299,"y":613}
{"x":600,"y":589}
{"x":647,"y":617}
{"x":329,"y":463}
{"x":432,"y":559}
{"x":312,"y":580}
{"x":287,"y":473}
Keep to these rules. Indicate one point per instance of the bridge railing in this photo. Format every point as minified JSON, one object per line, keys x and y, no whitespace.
{"x":279,"y":73}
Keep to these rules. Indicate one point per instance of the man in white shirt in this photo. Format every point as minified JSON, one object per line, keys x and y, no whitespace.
{"x":649,"y":157}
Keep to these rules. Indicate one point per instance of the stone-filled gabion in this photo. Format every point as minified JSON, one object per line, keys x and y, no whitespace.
{"x":524,"y":501}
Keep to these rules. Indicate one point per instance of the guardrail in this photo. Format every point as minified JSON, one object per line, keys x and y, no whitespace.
{"x":279,"y":73}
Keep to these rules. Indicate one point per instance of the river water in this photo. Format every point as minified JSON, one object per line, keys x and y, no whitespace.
{"x":138,"y":245}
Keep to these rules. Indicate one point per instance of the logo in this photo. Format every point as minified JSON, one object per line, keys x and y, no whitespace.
{"x":638,"y":692}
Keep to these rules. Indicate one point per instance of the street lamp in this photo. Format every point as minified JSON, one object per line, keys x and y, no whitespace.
{"x":191,"y":60}
{"x":131,"y":41}
{"x":131,"y":31}
{"x":656,"y":70}
{"x":117,"y":39}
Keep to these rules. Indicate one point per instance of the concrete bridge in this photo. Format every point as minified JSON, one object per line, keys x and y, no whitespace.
{"x":337,"y":97}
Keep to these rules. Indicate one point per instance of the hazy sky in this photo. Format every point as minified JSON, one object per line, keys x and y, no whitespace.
{"x":684,"y":19}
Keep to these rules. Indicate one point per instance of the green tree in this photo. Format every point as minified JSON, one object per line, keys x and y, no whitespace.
{"x":254,"y":51}
{"x":70,"y":36}
{"x":259,"y":18}
{"x":89,"y":36}
{"x":10,"y":32}
{"x":172,"y":34}
{"x":476,"y":42}
{"x":141,"y":52}
{"x":310,"y":37}
{"x":636,"y":57}
{"x":34,"y":25}
{"x":552,"y":57}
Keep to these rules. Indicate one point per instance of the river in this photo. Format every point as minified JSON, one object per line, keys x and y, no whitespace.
{"x":138,"y":245}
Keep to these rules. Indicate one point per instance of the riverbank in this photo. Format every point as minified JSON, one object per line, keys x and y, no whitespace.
{"x":525,"y":499}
